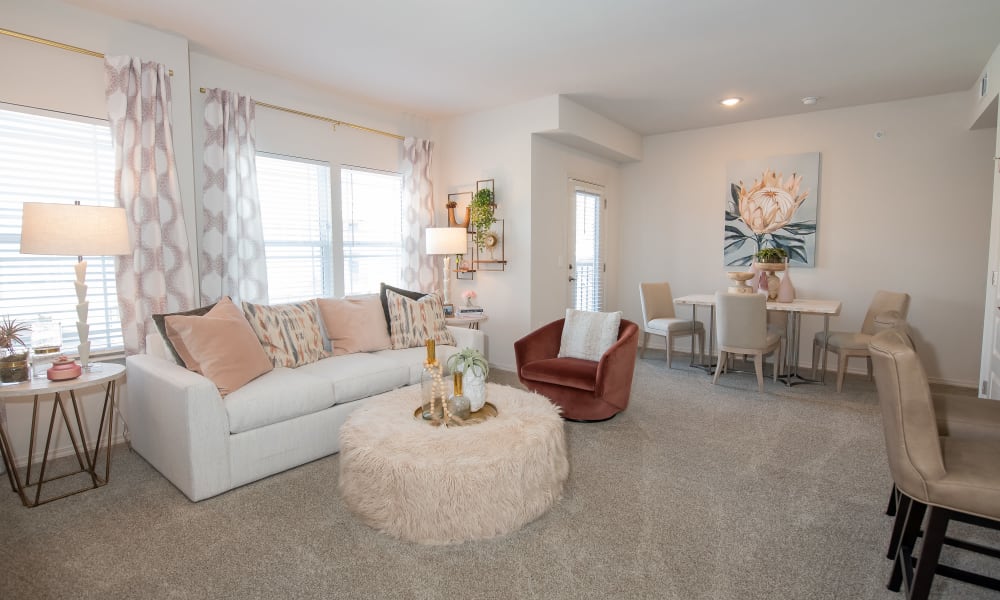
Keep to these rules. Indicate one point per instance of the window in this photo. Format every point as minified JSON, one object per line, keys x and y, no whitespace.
{"x":372,"y":204}
{"x":45,"y":157}
{"x":295,"y":210}
{"x":588,"y":252}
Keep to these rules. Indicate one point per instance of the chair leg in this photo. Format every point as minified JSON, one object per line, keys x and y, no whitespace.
{"x":670,"y":346}
{"x":841,"y":370}
{"x":718,"y":366}
{"x":870,"y":375}
{"x":897,"y":523}
{"x":913,"y":518}
{"x":890,"y":509}
{"x":815,"y":360}
{"x":645,"y":341}
{"x":701,"y":346}
{"x":758,"y":366}
{"x":930,"y":552}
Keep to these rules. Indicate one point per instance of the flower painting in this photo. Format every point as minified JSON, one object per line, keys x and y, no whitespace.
{"x":772,"y":203}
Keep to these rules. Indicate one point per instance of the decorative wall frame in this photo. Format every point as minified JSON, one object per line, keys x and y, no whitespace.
{"x":492,"y":257}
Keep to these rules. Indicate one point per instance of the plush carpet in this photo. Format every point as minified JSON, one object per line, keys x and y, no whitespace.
{"x":695,"y":491}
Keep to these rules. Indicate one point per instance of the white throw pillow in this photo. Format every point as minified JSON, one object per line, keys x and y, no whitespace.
{"x":588,"y":335}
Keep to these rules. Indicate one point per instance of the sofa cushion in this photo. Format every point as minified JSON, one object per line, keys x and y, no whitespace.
{"x":587,"y":334}
{"x":569,"y":372}
{"x":413,"y":322}
{"x":278,"y":396}
{"x":360,"y":375}
{"x":413,"y":359}
{"x":161,"y":326}
{"x":383,"y":288}
{"x":220,"y":345}
{"x":289,"y":333}
{"x":354,"y":324}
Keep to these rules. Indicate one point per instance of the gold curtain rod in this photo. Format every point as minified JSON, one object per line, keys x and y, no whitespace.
{"x":335,"y":122}
{"x":46,"y":42}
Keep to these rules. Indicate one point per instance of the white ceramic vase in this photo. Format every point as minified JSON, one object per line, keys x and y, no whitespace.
{"x":474,"y":388}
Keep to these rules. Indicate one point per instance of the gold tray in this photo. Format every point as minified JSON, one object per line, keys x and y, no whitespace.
{"x":487,"y":412}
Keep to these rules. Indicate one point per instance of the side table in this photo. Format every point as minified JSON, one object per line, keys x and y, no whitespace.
{"x":470,"y":322}
{"x":107,"y":374}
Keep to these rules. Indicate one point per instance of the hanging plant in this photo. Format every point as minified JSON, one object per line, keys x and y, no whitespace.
{"x":481,"y":216}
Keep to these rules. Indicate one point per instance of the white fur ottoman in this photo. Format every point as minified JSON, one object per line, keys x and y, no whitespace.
{"x":437,"y":485}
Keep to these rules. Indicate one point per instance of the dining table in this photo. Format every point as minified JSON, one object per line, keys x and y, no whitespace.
{"x":793,"y":312}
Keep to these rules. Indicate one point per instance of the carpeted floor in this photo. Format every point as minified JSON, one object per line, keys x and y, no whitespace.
{"x":696,"y":491}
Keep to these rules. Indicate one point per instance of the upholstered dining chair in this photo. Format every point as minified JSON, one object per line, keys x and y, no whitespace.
{"x":585,"y":390}
{"x":886,"y":309}
{"x":741,"y":322}
{"x":660,"y":318}
{"x":950,"y":478}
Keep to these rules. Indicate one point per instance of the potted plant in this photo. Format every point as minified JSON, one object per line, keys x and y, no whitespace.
{"x":13,"y":351}
{"x":481,"y":215}
{"x":474,"y":368}
{"x":771,"y":255}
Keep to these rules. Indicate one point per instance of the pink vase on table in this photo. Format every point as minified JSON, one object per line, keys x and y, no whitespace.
{"x":786,"y":291}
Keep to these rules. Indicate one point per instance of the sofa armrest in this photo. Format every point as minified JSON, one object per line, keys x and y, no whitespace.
{"x":179,"y":424}
{"x":468,"y":338}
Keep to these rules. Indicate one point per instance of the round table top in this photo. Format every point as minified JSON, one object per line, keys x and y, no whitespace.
{"x":99,"y":373}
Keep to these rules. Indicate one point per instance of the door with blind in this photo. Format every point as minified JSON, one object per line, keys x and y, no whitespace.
{"x":586,"y":247}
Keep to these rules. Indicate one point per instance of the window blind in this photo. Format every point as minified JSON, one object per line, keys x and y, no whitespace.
{"x":588,"y":291}
{"x":295,"y":209}
{"x":372,"y":204}
{"x":45,"y":157}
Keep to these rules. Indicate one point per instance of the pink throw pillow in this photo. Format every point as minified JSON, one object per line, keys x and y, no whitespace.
{"x":220,"y":345}
{"x":354,"y":324}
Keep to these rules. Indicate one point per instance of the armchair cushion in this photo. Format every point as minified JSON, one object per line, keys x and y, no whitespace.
{"x":570,"y":372}
{"x":588,"y":335}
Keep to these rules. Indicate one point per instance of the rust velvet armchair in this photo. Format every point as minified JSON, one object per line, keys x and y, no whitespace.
{"x":586,"y":390}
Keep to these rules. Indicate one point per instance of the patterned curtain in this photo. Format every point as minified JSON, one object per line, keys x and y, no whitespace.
{"x":232,"y":240}
{"x":419,"y":271}
{"x":157,"y":277}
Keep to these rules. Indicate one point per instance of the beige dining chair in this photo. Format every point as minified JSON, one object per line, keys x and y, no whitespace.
{"x":660,"y":318}
{"x":741,"y":322}
{"x":886,"y":309}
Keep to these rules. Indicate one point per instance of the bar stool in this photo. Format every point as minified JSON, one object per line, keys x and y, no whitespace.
{"x":947,"y":477}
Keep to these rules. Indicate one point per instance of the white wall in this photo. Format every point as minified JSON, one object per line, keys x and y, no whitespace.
{"x":909,"y":212}
{"x":552,"y":167}
{"x":496,"y":145}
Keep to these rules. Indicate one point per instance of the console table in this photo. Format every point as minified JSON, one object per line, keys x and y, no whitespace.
{"x":107,"y":374}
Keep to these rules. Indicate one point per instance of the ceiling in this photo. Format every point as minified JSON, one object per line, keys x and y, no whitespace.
{"x":652,"y":65}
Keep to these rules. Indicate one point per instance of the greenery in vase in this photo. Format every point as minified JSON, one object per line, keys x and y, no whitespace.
{"x":10,"y":334}
{"x":481,"y":215}
{"x":13,"y":362}
{"x":469,"y":360}
{"x":771,"y":255}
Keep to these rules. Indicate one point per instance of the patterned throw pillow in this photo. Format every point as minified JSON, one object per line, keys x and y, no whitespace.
{"x":412,"y":322}
{"x":588,"y":335}
{"x":290,"y":333}
{"x":383,"y":289}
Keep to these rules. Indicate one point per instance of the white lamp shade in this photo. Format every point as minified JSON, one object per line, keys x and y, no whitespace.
{"x":73,"y":230}
{"x":446,"y":240}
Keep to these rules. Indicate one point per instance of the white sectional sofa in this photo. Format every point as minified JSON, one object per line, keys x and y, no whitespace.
{"x":206,"y":444}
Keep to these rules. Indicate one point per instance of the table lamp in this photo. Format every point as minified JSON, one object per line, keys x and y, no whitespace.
{"x":445,"y":241}
{"x":75,"y":229}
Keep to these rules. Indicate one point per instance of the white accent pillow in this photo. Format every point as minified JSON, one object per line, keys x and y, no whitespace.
{"x":588,"y":335}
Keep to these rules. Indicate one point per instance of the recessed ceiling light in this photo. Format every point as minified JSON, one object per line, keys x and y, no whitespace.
{"x":730,"y":101}
{"x":809,"y":100}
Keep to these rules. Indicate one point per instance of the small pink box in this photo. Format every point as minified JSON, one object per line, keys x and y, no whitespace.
{"x":63,"y":369}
